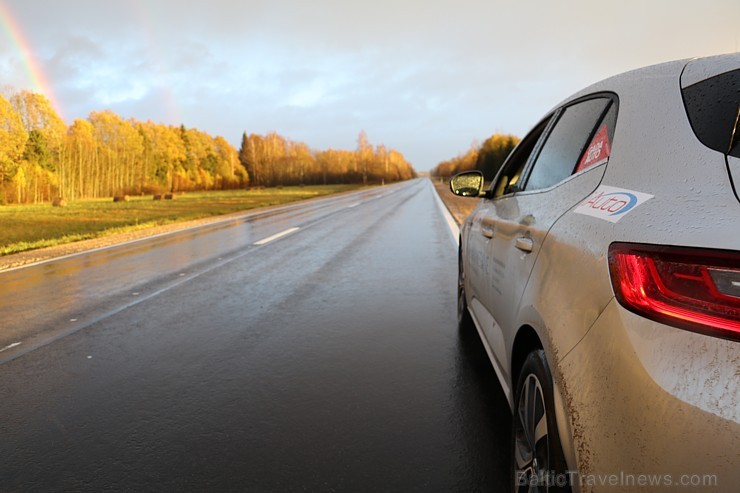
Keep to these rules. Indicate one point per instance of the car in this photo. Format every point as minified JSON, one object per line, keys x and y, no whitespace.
{"x":601,"y":269}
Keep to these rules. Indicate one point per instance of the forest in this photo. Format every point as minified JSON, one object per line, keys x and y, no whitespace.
{"x":42,"y":158}
{"x":487,"y":157}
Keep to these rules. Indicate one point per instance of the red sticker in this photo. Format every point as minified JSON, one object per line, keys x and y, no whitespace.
{"x":598,"y":152}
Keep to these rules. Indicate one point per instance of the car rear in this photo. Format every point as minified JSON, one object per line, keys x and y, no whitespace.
{"x":652,"y":388}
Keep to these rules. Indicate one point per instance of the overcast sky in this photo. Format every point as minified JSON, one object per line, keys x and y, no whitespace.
{"x":424,"y":77}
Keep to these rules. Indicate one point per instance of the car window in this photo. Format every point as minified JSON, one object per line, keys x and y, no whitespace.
{"x":713,"y":107}
{"x":600,"y":147}
{"x":511,"y":172}
{"x":560,"y":153}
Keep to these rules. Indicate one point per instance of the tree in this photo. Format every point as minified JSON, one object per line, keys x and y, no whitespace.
{"x":44,"y":151}
{"x":37,"y":114}
{"x":12,"y":143}
{"x":487,"y":157}
{"x":229,"y":165}
{"x":493,"y":153}
{"x":105,"y":155}
{"x":119,"y":148}
{"x":81,"y":152}
{"x":250,"y":155}
{"x":164,"y":152}
{"x":364,"y":155}
{"x":246,"y":156}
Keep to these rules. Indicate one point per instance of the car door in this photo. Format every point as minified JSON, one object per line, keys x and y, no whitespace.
{"x":561,"y":171}
{"x":479,"y":268}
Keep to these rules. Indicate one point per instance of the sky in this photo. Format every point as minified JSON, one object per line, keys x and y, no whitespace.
{"x":427,"y":78}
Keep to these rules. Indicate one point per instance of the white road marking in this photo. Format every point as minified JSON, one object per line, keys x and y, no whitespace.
{"x":10,"y":346}
{"x":454,"y":229}
{"x":275,"y":237}
{"x":353,"y":205}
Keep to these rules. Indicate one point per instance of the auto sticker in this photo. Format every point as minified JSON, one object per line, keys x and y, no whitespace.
{"x":598,"y":152}
{"x":610,"y":203}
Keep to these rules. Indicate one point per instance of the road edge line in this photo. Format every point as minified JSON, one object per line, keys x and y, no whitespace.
{"x":451,"y":223}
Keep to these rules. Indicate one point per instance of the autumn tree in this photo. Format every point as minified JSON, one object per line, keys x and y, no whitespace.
{"x":13,"y":139}
{"x":247,"y":157}
{"x":229,"y":169}
{"x":364,"y":155}
{"x":120,"y":147}
{"x":164,"y":152}
{"x":43,"y":153}
{"x":37,"y":114}
{"x":487,"y":157}
{"x":80,"y":153}
{"x":103,"y":155}
{"x":493,"y":153}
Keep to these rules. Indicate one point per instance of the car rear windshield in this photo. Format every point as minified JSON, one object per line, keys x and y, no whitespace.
{"x":713,"y":107}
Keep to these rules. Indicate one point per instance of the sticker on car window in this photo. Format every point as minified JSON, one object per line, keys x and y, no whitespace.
{"x":598,"y":151}
{"x":610,"y":203}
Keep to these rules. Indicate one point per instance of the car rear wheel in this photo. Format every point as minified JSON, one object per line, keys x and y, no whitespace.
{"x":464,"y":320}
{"x":537,"y":461}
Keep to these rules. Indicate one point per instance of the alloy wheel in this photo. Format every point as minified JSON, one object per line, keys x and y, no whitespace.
{"x":531,"y":439}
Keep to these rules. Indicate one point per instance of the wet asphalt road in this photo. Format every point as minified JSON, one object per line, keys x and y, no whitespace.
{"x":228,"y":359}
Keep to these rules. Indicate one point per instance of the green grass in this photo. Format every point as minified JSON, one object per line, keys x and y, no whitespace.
{"x":27,"y":227}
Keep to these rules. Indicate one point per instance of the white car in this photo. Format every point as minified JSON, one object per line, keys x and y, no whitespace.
{"x":602,"y":272}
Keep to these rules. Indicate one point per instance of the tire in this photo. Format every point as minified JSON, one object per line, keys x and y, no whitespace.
{"x":537,"y":460}
{"x":464,"y":320}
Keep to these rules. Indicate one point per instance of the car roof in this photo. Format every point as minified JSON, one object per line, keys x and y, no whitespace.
{"x":700,"y":69}
{"x":688,"y":70}
{"x":630,"y":79}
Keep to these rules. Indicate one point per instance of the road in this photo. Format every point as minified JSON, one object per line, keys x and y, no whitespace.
{"x":312,"y":347}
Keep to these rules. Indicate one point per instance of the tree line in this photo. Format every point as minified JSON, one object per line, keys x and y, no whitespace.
{"x":487,"y":158}
{"x":41,"y":158}
{"x":273,"y":160}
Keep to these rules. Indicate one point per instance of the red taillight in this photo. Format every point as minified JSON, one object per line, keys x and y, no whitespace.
{"x":694,"y":289}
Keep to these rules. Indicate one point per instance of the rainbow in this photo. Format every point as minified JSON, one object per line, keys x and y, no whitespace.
{"x":35,"y":74}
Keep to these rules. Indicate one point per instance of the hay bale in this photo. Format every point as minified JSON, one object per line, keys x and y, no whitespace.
{"x":158,"y":196}
{"x":59,"y":202}
{"x":169,"y":196}
{"x":121,"y":198}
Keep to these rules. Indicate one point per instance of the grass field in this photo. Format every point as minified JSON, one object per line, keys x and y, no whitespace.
{"x":27,"y":227}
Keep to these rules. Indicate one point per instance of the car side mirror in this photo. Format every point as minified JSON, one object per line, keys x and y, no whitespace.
{"x":467,"y":184}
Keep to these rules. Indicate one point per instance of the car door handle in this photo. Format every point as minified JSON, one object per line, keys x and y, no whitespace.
{"x":487,"y":225}
{"x":524,"y":244}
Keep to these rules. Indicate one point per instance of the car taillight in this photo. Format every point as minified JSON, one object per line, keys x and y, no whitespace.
{"x":690,"y":288}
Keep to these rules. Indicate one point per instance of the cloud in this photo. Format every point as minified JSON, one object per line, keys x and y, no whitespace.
{"x":426,"y":77}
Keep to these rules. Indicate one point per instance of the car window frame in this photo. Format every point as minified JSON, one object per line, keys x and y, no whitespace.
{"x":543,"y":126}
{"x":554,"y":118}
{"x":532,"y":163}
